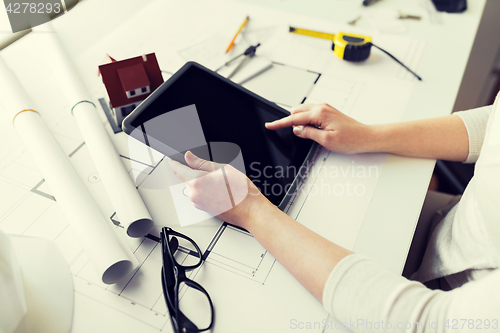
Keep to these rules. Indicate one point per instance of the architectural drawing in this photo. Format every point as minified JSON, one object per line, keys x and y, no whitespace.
{"x":236,"y":264}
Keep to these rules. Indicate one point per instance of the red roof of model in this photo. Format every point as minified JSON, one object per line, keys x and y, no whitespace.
{"x":106,"y":60}
{"x":133,"y":77}
{"x":121,"y":76}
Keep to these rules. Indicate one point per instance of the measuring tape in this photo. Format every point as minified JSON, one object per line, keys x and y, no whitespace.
{"x":348,"y":46}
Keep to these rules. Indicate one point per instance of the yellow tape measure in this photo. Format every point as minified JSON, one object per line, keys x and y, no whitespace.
{"x":348,"y":46}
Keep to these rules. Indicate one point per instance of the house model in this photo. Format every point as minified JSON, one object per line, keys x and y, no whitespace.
{"x":128,"y":82}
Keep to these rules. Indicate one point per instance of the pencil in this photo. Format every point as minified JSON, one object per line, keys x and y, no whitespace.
{"x":237,"y":33}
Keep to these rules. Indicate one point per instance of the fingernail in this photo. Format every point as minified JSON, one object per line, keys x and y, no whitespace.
{"x":297,"y":129}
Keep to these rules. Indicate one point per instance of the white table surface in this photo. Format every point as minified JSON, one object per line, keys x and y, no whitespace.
{"x":391,"y":219}
{"x":393,"y":212}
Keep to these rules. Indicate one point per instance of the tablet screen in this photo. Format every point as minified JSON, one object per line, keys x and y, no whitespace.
{"x":225,"y":113}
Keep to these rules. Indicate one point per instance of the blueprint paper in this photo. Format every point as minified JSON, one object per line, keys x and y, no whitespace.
{"x":243,"y":279}
{"x":386,"y":20}
{"x":250,"y":69}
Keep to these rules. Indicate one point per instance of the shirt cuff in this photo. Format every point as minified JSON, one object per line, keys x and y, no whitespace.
{"x":475,"y":122}
{"x":336,"y":275}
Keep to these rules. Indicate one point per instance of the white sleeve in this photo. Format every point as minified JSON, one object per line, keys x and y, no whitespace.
{"x":368,"y":297}
{"x":475,"y":121}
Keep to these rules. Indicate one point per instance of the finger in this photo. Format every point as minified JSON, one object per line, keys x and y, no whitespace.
{"x":198,"y":163}
{"x":183,"y":172}
{"x":301,"y":108}
{"x":302,"y":118}
{"x":310,"y":132}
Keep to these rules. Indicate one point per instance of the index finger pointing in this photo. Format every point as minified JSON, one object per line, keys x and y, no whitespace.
{"x":302,"y":118}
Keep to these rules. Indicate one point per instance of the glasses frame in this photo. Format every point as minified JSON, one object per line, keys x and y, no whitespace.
{"x":172,"y":275}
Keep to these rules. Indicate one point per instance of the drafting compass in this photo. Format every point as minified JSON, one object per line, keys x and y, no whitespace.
{"x":248,"y":54}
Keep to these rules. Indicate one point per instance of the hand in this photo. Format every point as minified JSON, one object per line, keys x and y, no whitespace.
{"x":327,"y":126}
{"x":221,"y":190}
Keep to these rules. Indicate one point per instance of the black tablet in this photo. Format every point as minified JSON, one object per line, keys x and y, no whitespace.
{"x":198,"y":106}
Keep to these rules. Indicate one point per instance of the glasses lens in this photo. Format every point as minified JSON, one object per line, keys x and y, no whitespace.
{"x":187,"y":254}
{"x":195,"y":305}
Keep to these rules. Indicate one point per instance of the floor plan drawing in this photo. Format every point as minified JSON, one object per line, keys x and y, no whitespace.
{"x":236,"y":266}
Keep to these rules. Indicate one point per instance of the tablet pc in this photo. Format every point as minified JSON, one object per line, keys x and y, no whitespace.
{"x":197,"y":106}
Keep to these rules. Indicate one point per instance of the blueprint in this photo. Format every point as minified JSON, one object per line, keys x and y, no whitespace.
{"x":250,"y":290}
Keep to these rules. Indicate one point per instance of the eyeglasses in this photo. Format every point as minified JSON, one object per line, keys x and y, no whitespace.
{"x":173,"y":275}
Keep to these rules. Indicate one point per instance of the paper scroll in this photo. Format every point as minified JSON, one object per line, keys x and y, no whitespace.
{"x":109,"y":254}
{"x":125,"y":198}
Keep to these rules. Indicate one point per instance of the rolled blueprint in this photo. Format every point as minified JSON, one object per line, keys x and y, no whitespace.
{"x":125,"y":198}
{"x":110,"y":255}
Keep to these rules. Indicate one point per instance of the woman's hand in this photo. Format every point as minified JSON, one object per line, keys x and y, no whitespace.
{"x":328,"y":127}
{"x":287,"y":240}
{"x":220,"y":190}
